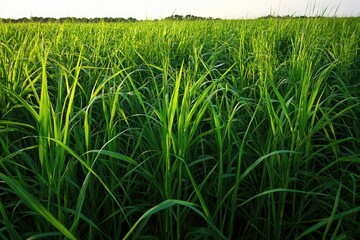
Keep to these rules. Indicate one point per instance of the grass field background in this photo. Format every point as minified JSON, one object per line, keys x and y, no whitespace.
{"x":180,"y":130}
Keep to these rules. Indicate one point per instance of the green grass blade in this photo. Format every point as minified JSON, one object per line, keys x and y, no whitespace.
{"x":35,"y":205}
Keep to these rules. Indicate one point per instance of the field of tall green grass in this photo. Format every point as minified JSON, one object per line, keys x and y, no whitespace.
{"x":246,"y":129}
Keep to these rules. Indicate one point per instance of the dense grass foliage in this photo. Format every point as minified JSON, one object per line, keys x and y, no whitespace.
{"x":180,"y":130}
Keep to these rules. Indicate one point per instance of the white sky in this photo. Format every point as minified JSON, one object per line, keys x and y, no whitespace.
{"x":151,"y":9}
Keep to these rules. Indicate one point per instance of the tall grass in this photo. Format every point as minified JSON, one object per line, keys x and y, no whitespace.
{"x":180,"y":130}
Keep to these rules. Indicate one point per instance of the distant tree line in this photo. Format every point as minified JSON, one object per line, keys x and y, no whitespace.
{"x":97,"y":20}
{"x":189,"y":17}
{"x":289,"y":16}
{"x":120,"y":19}
{"x":67,"y":19}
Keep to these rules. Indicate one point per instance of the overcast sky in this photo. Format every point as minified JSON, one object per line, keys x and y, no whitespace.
{"x":151,"y":9}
